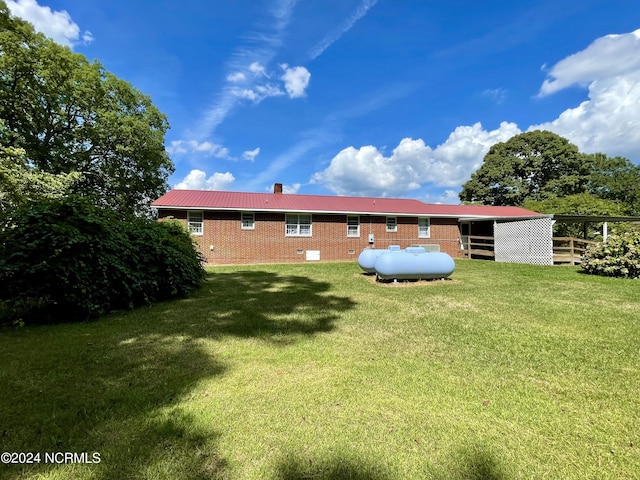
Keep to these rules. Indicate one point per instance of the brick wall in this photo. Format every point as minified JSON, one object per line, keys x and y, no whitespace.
{"x":267,"y":242}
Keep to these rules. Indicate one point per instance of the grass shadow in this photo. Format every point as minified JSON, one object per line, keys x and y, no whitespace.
{"x":259,"y":304}
{"x":474,"y":462}
{"x":85,"y":391}
{"x":333,"y":469}
{"x":114,"y":385}
{"x":470,"y":463}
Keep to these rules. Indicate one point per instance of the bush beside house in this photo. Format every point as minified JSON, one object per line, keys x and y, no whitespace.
{"x":67,"y":259}
{"x":619,"y":256}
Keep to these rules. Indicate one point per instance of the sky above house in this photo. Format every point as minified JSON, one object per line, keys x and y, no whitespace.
{"x":395,"y":98}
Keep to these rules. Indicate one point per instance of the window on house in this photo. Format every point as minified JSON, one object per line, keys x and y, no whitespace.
{"x":424,"y":227}
{"x":298,"y":225}
{"x":353,"y":226}
{"x":392,"y":224}
{"x":194,"y":222}
{"x":248,"y":221}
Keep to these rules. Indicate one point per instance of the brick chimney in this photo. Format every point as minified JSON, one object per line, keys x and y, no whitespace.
{"x":277,"y":189}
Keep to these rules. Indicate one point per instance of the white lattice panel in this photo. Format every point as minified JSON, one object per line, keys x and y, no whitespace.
{"x":524,"y":241}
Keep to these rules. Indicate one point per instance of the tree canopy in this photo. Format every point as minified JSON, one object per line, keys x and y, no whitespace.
{"x":20,"y":183}
{"x":533,"y":165}
{"x":68,"y":115}
{"x":539,"y":168}
{"x":616,"y":179}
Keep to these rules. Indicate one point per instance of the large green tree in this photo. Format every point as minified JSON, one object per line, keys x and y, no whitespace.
{"x":70,"y":115}
{"x":616,"y":179}
{"x":20,"y":183}
{"x":531,"y":166}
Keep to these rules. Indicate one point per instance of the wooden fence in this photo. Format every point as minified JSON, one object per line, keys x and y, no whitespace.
{"x":477,"y":246}
{"x":566,"y":250}
{"x":569,"y":250}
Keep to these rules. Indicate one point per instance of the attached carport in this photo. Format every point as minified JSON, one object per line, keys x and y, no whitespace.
{"x":510,"y":239}
{"x":530,"y":239}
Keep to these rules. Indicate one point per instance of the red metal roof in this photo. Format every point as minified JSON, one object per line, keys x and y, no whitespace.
{"x":219,"y":200}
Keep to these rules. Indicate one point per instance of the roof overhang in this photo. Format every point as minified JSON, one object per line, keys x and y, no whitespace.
{"x":594,"y":218}
{"x":348,"y":212}
{"x":503,"y":218}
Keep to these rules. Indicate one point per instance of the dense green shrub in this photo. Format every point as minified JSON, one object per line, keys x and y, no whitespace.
{"x":619,"y":256}
{"x":67,"y":259}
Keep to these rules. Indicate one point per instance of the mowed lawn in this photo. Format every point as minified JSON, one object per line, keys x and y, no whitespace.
{"x":315,"y":371}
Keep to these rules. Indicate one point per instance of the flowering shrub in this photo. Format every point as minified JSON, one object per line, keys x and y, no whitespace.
{"x":619,"y":256}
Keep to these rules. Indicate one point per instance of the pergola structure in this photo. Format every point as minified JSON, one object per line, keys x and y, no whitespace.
{"x":585,"y":220}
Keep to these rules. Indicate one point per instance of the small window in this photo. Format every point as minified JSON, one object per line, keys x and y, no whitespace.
{"x":423,"y":227}
{"x":194,"y":222}
{"x":298,"y":225}
{"x":353,"y":226}
{"x":248,"y":221}
{"x":392,"y":224}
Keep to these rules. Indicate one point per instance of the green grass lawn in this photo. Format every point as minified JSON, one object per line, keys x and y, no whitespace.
{"x":315,"y":371}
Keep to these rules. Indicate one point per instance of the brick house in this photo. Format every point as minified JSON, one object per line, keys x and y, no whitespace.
{"x":242,"y":228}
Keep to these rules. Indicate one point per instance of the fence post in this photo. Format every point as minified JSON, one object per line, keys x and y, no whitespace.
{"x":572,"y":250}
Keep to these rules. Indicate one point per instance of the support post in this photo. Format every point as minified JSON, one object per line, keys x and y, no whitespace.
{"x":571,"y":250}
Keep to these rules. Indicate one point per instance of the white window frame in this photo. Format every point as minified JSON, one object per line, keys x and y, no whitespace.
{"x":195,"y":226}
{"x":247,"y":220}
{"x":392,"y":224}
{"x":353,"y":221}
{"x":294,"y":227}
{"x":424,"y":227}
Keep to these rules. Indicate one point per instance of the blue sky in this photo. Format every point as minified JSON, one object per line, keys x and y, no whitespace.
{"x":398,"y":98}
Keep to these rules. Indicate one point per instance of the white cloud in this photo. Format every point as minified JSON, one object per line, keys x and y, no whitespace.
{"x":177,"y":147}
{"x":498,"y":95}
{"x":257,"y":93}
{"x":251,"y":154}
{"x":287,"y":189}
{"x":264,"y":44}
{"x":244,"y":93}
{"x":180,"y":147}
{"x":293,"y":188}
{"x":367,"y":171}
{"x":87,"y":37}
{"x":197,"y":180}
{"x":449,"y":196}
{"x":268,"y":90}
{"x":55,"y":25}
{"x":343,"y":28}
{"x":258,"y":69}
{"x":296,"y":80}
{"x":236,"y":77}
{"x":607,"y":57}
{"x":463,"y":152}
{"x":608,"y":121}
